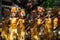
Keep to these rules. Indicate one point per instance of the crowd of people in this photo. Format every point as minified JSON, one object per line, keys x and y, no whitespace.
{"x":36,"y":25}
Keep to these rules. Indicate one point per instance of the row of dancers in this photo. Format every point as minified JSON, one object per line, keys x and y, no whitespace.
{"x":17,"y":27}
{"x":14,"y":28}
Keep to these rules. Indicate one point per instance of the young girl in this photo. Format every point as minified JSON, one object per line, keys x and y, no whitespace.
{"x":47,"y":27}
{"x":13,"y":25}
{"x":21,"y":29}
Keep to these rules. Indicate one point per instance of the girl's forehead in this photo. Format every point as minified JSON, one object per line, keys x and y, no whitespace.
{"x":13,"y":13}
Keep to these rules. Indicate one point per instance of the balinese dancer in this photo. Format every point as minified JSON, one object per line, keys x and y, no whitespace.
{"x":34,"y":32}
{"x":4,"y":25}
{"x":21,"y":26}
{"x":13,"y":24}
{"x":47,"y":26}
{"x":55,"y":22}
{"x":39,"y":22}
{"x":21,"y":29}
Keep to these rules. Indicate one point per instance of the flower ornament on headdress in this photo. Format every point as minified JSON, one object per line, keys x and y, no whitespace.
{"x":40,"y":9}
{"x":22,"y":12}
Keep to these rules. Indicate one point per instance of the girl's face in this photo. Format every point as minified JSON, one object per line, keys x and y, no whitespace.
{"x":40,"y":10}
{"x":48,"y":14}
{"x":58,"y":13}
{"x":13,"y":14}
{"x":38,"y":16}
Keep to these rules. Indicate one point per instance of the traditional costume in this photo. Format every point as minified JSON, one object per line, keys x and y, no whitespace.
{"x":21,"y":29}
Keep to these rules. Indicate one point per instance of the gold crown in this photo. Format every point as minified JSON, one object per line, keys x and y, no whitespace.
{"x":13,"y":9}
